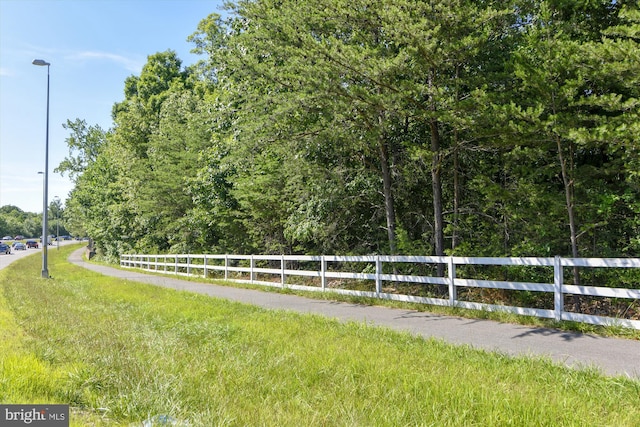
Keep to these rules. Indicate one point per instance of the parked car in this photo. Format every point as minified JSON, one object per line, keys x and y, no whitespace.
{"x":32,"y":244}
{"x":5,"y":249}
{"x":19,"y":237}
{"x":7,"y":238}
{"x":19,"y":246}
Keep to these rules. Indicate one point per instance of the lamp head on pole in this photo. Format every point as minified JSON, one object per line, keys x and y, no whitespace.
{"x":40,"y":62}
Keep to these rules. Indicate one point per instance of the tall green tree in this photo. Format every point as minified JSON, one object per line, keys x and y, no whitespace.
{"x":358,"y":69}
{"x":84,"y":143}
{"x":174,"y":150}
{"x":553,"y":89}
{"x":475,"y":127}
{"x":613,"y":65}
{"x":455,"y":57}
{"x":99,"y":206}
{"x":138,"y":115}
{"x":161,"y":126}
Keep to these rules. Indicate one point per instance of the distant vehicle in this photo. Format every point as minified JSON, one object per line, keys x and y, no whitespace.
{"x":5,"y":249}
{"x":32,"y":244}
{"x":19,"y":246}
{"x":19,"y":237}
{"x":7,"y":238}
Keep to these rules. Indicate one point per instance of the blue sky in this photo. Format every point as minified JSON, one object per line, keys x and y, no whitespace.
{"x":93,"y":46}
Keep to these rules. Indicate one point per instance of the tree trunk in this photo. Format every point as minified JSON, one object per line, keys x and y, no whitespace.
{"x":568,"y":193}
{"x":389,"y":207}
{"x":456,"y":193}
{"x":436,"y":184}
{"x":456,"y":183}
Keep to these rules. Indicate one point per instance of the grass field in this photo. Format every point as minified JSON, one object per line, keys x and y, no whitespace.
{"x":121,"y":352}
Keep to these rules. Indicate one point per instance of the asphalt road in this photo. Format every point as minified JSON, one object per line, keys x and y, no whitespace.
{"x":611,"y":356}
{"x":5,"y":260}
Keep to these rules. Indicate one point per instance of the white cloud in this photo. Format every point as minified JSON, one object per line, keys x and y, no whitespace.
{"x":130,"y":64}
{"x":5,"y":72}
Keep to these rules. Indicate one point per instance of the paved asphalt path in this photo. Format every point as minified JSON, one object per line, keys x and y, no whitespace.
{"x":612,"y":356}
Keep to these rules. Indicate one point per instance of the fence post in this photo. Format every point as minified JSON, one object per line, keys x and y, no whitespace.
{"x":451,"y":271}
{"x":558,"y":297}
{"x":282,"y":268}
{"x":188,"y":265}
{"x":323,"y":273}
{"x":205,"y":266}
{"x":378,"y":275}
{"x":251,"y":267}
{"x":226,"y":266}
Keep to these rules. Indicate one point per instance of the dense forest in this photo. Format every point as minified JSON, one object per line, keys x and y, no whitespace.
{"x":16,"y":222}
{"x":470,"y":127}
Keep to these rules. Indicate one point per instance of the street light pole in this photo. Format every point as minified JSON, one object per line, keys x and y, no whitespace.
{"x":45,"y":270}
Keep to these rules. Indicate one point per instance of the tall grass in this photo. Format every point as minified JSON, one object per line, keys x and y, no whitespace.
{"x":121,"y":352}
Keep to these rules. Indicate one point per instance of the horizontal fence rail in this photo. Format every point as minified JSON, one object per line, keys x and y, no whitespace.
{"x":377,"y":276}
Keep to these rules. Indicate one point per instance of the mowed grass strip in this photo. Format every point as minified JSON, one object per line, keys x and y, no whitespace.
{"x":122,"y":352}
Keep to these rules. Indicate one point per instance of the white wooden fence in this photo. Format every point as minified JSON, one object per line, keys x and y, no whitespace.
{"x":250,"y":268}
